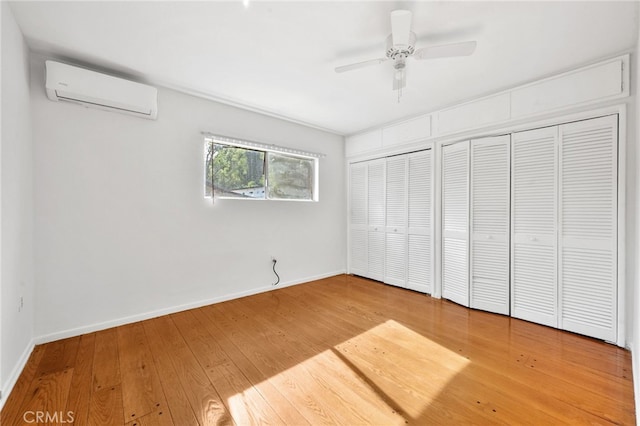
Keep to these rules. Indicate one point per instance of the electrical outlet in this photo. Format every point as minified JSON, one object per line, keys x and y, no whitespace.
{"x":21,"y":305}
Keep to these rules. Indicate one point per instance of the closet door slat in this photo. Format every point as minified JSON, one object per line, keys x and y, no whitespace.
{"x":419,"y":222}
{"x":358,"y":254}
{"x":376,"y":219}
{"x":490,"y":193}
{"x":375,"y":193}
{"x":396,"y":221}
{"x":455,"y":222}
{"x":588,"y":227}
{"x":534,"y":294}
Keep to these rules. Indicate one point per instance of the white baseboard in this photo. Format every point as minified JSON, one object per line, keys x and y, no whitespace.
{"x":171,"y":310}
{"x":635,"y":365}
{"x":8,"y":385}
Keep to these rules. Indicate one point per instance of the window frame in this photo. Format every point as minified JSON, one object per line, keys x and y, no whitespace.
{"x":267,"y":150}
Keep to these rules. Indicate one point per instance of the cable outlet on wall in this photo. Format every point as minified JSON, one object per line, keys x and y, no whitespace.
{"x":273,"y":258}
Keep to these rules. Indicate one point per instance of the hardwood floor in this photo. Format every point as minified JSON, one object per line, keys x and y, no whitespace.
{"x":343,"y":350}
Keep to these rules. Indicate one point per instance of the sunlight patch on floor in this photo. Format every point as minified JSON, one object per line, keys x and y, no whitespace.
{"x":384,"y":375}
{"x":408,"y":368}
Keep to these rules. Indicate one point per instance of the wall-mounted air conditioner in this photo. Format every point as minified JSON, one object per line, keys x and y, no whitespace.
{"x":96,"y":90}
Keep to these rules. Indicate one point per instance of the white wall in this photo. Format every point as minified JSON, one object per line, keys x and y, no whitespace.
{"x":17,"y":268}
{"x":634,"y":221}
{"x":122,"y":228}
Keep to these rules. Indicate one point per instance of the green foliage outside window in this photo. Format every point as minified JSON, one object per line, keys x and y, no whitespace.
{"x":233,"y":169}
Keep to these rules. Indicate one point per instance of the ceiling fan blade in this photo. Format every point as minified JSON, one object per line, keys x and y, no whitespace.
{"x":465,"y":48}
{"x":360,"y":65}
{"x":400,"y":27}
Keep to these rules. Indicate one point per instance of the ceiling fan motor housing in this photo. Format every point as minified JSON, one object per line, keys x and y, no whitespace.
{"x":401,"y":51}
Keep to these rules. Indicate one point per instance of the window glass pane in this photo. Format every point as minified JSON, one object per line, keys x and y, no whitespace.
{"x":234,"y":172}
{"x":290,"y":177}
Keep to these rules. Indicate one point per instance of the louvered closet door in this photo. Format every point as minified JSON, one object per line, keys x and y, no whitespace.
{"x":396,"y":217}
{"x":376,"y":219}
{"x":490,"y":191}
{"x":588,"y":227}
{"x":455,"y":223}
{"x":358,"y":256}
{"x":534,"y":251}
{"x":420,"y":221}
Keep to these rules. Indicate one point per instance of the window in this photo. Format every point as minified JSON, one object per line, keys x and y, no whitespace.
{"x":233,"y":171}
{"x":290,"y":178}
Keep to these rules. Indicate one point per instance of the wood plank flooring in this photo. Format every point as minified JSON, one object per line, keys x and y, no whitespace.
{"x":343,"y":350}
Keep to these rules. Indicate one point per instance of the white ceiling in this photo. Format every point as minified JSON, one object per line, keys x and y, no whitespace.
{"x":278,"y":57}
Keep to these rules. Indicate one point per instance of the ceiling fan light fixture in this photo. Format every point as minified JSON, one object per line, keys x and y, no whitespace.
{"x":400,"y":69}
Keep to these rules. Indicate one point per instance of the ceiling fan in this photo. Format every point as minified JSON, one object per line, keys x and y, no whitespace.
{"x":401,"y":46}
